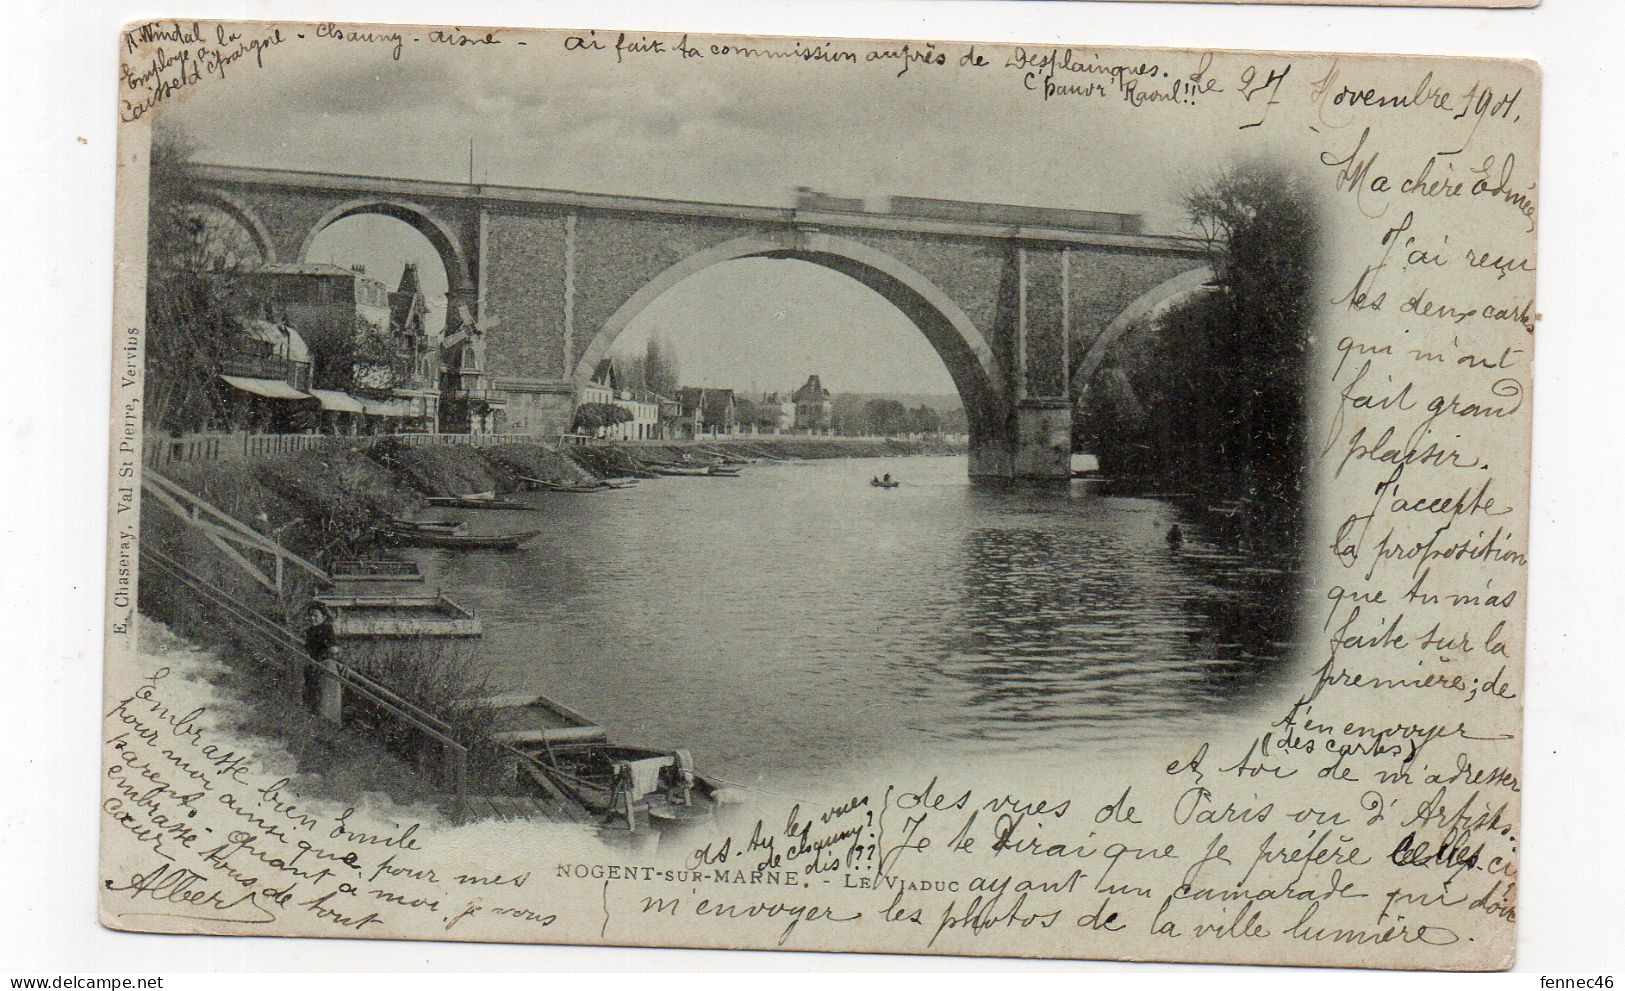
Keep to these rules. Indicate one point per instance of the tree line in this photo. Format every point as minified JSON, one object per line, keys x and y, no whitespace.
{"x":1211,"y":397}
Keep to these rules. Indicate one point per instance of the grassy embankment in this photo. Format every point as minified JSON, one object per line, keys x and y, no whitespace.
{"x":325,"y":505}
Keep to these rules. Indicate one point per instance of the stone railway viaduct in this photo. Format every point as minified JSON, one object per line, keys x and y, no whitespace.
{"x":1020,"y":303}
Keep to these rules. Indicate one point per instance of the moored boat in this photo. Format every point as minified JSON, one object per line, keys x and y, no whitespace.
{"x":427,"y":526}
{"x":542,"y":485}
{"x":698,"y":471}
{"x":458,"y":541}
{"x":639,"y":786}
{"x":480,"y":500}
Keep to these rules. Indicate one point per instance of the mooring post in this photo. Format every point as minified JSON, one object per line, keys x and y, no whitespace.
{"x":330,"y":705}
{"x":296,"y":678}
{"x":459,"y":780}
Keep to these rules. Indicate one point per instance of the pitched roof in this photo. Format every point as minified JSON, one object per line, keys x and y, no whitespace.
{"x":690,"y":398}
{"x":718,"y":405}
{"x":604,"y":374}
{"x":403,"y":306}
{"x":812,"y":392}
{"x":714,"y":405}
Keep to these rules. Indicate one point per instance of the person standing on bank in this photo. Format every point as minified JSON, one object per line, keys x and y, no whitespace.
{"x":319,"y":635}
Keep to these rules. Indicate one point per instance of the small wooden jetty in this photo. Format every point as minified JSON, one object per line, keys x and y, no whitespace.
{"x":390,"y":616}
{"x":528,"y":719}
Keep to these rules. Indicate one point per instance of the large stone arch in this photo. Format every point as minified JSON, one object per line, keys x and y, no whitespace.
{"x":970,"y":359}
{"x":1183,"y":284}
{"x":445,"y":241}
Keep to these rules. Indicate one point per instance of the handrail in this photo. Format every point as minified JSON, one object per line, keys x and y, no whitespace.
{"x":153,"y":481}
{"x":283,"y":639}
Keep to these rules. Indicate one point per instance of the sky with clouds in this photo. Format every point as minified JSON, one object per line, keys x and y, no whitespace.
{"x":715,"y":128}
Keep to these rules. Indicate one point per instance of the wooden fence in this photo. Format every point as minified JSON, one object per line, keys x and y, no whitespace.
{"x":161,"y":451}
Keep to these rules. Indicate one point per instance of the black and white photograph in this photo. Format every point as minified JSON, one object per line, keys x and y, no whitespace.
{"x":668,"y":489}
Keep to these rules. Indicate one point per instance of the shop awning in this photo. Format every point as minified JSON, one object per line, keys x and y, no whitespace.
{"x":391,"y":407}
{"x":338,"y":402}
{"x":269,"y":388}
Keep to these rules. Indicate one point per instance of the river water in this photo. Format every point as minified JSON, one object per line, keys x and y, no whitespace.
{"x":796,"y":620}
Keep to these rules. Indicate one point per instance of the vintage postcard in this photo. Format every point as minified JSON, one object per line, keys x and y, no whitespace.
{"x":673,"y":490}
{"x":1368,"y":3}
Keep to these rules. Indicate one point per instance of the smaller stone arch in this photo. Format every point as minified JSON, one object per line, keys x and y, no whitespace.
{"x":443,"y":238}
{"x":244,"y":216}
{"x":1185,"y":283}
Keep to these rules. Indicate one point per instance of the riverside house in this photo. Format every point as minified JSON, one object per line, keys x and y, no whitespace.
{"x":415,"y":396}
{"x":812,"y":402}
{"x":776,"y":414}
{"x":329,"y":303}
{"x":641,"y":405}
{"x":645,"y":409}
{"x":705,"y":413}
{"x":468,"y":401}
{"x":263,"y":383}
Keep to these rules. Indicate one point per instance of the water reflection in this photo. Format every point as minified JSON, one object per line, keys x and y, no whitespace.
{"x":1086,"y":622}
{"x":796,"y":621}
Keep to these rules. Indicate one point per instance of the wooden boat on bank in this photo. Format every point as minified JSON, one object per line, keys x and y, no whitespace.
{"x":639,"y":786}
{"x":697,"y":471}
{"x":478,"y":500}
{"x":542,"y":485}
{"x":458,"y":541}
{"x":427,"y":526}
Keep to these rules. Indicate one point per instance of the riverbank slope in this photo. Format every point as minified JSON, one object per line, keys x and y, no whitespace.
{"x":325,"y":505}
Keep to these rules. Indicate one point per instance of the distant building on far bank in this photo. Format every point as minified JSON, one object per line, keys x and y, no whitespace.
{"x":641,"y":405}
{"x":812,"y":403}
{"x":780,"y":411}
{"x":705,"y":413}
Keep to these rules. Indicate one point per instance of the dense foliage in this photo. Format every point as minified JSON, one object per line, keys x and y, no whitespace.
{"x":593,"y":417}
{"x":366,"y":361}
{"x":655,"y":369}
{"x":193,"y":322}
